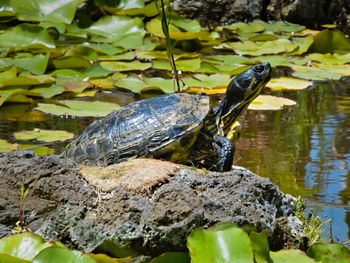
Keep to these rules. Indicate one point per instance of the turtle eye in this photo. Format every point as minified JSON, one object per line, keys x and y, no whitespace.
{"x":259,"y":69}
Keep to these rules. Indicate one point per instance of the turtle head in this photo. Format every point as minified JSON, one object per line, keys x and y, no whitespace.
{"x":241,"y":91}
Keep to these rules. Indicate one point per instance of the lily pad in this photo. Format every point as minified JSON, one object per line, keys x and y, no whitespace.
{"x":314,"y":73}
{"x":231,"y":244}
{"x":260,"y":48}
{"x":5,"y":146}
{"x":56,"y":11}
{"x":291,"y":255}
{"x":215,"y":83}
{"x":328,"y":41}
{"x":125,"y":66}
{"x":288,"y":83}
{"x":25,"y":246}
{"x":37,"y":149}
{"x":172,"y":257}
{"x":79,"y":108}
{"x":59,"y":254}
{"x":330,"y":58}
{"x":26,"y":36}
{"x":191,"y":65}
{"x":122,"y":31}
{"x":36,"y":64}
{"x":267,"y":102}
{"x":44,"y":135}
{"x":329,"y":253}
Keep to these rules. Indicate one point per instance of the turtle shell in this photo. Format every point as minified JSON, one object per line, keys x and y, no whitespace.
{"x":165,"y":127}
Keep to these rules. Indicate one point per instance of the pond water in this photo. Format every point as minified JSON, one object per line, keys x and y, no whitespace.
{"x":305,"y":150}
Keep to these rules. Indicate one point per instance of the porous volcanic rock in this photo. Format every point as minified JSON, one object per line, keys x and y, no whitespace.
{"x":100,"y":210}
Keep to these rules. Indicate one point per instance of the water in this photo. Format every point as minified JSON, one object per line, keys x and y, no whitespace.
{"x":305,"y":150}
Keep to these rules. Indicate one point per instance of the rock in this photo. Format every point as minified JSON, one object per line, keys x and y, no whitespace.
{"x":111,"y":215}
{"x":311,"y":13}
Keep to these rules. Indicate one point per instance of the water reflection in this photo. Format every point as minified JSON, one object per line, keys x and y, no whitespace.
{"x":306,"y":151}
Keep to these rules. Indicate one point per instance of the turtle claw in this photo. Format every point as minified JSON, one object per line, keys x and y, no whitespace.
{"x":224,"y":151}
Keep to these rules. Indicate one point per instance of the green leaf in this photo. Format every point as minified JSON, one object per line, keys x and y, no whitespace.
{"x":39,"y":150}
{"x":191,"y":65}
{"x":267,"y":102}
{"x":214,"y":81}
{"x":79,"y":108}
{"x":123,"y":31}
{"x":102,"y":258}
{"x":303,"y":44}
{"x":166,"y":85}
{"x":72,"y":84}
{"x":292,"y":255}
{"x":215,"y":245}
{"x":59,"y":255}
{"x":25,"y":245}
{"x":23,"y":79}
{"x":125,"y":66}
{"x":105,"y":48}
{"x":328,"y":41}
{"x":253,"y":27}
{"x":43,"y":135}
{"x":260,"y":48}
{"x":148,"y":10}
{"x":330,"y":58}
{"x":172,"y":257}
{"x":314,"y":73}
{"x":26,"y":36}
{"x":278,"y":60}
{"x":288,"y":83}
{"x":5,"y":146}
{"x":132,"y":82}
{"x":260,"y":247}
{"x":329,"y":253}
{"x":36,"y":65}
{"x":56,"y":11}
{"x":4,"y":258}
{"x":280,"y":27}
{"x":71,"y":62}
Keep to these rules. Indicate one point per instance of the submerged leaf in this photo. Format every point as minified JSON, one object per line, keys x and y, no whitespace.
{"x":43,"y":135}
{"x":267,"y":102}
{"x":79,"y":108}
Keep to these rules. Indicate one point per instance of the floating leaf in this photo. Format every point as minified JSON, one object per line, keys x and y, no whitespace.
{"x":219,"y":245}
{"x":72,"y":84}
{"x":303,"y":44}
{"x":291,"y":255}
{"x":79,"y":108}
{"x":24,"y":246}
{"x":172,"y":257}
{"x":330,"y":58}
{"x":43,"y":135}
{"x":124,"y":56}
{"x":56,"y":11}
{"x":102,"y":258}
{"x":216,"y":83}
{"x":147,"y":10}
{"x":59,"y":254}
{"x":328,"y":41}
{"x":71,"y":62}
{"x":260,"y":48}
{"x":105,"y":48}
{"x":267,"y":102}
{"x":36,"y":64}
{"x":260,"y":247}
{"x":27,"y":79}
{"x":132,"y":82}
{"x":191,"y":65}
{"x":43,"y":150}
{"x":26,"y":36}
{"x":123,"y":31}
{"x":125,"y":66}
{"x":329,"y":253}
{"x":5,"y":146}
{"x":288,"y":83}
{"x":278,"y":60}
{"x":11,"y":259}
{"x":313,"y":73}
{"x":280,"y":27}
{"x":253,"y":27}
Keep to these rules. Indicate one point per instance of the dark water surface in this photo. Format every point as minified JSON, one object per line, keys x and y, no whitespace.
{"x":305,"y":150}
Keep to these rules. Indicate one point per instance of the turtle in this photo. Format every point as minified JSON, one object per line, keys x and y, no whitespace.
{"x":180,"y":127}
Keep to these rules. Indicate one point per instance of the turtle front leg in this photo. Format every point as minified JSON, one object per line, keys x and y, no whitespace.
{"x":224,"y":152}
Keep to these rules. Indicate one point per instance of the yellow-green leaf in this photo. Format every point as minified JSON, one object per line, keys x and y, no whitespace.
{"x":267,"y":102}
{"x":43,"y":135}
{"x":288,"y":83}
